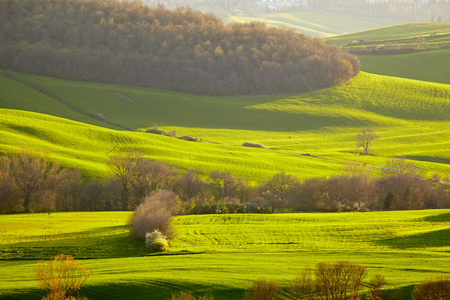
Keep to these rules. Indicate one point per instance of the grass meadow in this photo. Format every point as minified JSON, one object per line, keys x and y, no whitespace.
{"x":317,"y":23}
{"x":434,"y":65}
{"x":222,"y":254}
{"x":411,"y":118}
{"x":435,"y":34}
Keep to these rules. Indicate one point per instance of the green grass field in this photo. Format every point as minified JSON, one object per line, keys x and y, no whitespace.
{"x":411,"y":118}
{"x":222,"y":254}
{"x":435,"y":34}
{"x":317,"y":23}
{"x":427,"y":66}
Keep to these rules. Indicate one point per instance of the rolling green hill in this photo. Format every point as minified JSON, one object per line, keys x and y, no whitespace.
{"x":222,"y":254}
{"x":404,"y":34}
{"x":427,"y":66}
{"x":411,"y":118}
{"x":317,"y":23}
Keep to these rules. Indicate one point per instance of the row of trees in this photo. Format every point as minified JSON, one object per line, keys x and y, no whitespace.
{"x":130,"y":43}
{"x":29,"y":182}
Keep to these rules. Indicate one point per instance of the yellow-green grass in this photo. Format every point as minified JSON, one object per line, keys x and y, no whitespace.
{"x":435,"y":34}
{"x":411,"y":118}
{"x":318,"y":24}
{"x":222,"y":254}
{"x":88,"y":147}
{"x":427,"y":66}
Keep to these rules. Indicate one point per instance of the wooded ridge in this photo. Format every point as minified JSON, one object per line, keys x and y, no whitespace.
{"x":181,"y":50}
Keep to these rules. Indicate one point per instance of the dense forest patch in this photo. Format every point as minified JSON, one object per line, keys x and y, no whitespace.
{"x":182,"y":50}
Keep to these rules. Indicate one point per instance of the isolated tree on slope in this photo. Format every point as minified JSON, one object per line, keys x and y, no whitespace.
{"x":364,"y":138}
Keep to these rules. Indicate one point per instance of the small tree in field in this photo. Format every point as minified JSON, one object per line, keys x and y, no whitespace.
{"x":331,"y":281}
{"x":339,"y":281}
{"x":189,"y":296}
{"x":364,"y":138}
{"x":434,"y":289}
{"x":264,"y":289}
{"x":62,"y":276}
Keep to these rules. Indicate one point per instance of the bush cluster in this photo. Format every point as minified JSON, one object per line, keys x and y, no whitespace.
{"x":130,"y":43}
{"x":337,"y":281}
{"x":61,"y":277}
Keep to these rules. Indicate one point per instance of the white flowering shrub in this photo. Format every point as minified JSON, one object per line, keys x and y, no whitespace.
{"x":156,"y":241}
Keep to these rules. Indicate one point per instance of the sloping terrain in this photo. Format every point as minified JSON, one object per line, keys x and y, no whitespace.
{"x":427,"y":66}
{"x":318,"y":23}
{"x":411,"y":118}
{"x":403,"y":34}
{"x":222,"y":254}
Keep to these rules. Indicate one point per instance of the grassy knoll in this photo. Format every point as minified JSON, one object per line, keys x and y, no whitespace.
{"x":403,"y":34}
{"x":411,"y":118}
{"x":222,"y":254}
{"x":427,"y":66}
{"x":317,"y":23}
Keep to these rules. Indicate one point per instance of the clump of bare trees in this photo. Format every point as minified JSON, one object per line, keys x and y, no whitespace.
{"x":29,"y":182}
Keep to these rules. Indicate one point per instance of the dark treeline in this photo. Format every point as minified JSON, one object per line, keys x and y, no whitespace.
{"x":28,"y":182}
{"x":182,"y":50}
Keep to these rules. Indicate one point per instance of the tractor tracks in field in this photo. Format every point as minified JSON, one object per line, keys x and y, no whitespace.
{"x":47,"y":93}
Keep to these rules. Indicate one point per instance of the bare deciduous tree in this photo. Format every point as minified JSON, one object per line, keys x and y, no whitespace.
{"x":29,"y":169}
{"x":8,"y":189}
{"x":223,"y":183}
{"x":397,"y":165}
{"x":339,"y":281}
{"x":280,"y":186}
{"x":190,"y":185}
{"x":364,"y":138}
{"x":125,"y":168}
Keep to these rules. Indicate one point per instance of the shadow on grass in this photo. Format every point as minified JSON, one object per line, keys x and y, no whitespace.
{"x":433,"y":159}
{"x":107,"y":242}
{"x":139,"y":289}
{"x":445,"y":217}
{"x":437,"y":238}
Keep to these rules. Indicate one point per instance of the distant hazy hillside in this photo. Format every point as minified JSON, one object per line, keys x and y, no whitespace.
{"x":181,"y":50}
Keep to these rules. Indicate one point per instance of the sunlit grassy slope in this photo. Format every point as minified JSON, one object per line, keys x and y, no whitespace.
{"x":222,"y":254}
{"x":427,"y":66}
{"x":411,"y":118}
{"x":318,"y":24}
{"x":88,"y":147}
{"x":403,"y":34}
